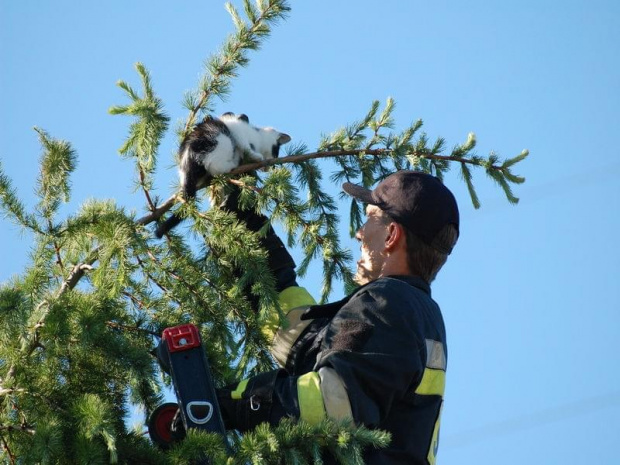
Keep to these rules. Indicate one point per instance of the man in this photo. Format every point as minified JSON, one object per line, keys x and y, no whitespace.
{"x":378,"y":356}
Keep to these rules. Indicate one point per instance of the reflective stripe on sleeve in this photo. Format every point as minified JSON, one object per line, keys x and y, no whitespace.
{"x":290,"y":298}
{"x":288,"y":334}
{"x":293,"y":296}
{"x":435,"y":355}
{"x":297,"y":299}
{"x":433,"y":383}
{"x":311,"y":408}
{"x":335,"y":397}
{"x":238,"y":392}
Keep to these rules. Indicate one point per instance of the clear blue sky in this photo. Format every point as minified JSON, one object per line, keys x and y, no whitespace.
{"x":531,"y":293}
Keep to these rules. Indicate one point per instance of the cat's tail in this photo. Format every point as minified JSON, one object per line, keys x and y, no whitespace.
{"x":167,"y":225}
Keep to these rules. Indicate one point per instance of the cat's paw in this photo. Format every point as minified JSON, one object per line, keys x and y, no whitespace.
{"x":254,"y":155}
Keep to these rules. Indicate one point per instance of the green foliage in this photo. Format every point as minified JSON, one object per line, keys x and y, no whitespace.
{"x":290,"y":442}
{"x":301,"y":443}
{"x":57,"y":163}
{"x":146,"y":132}
{"x":380,"y":153}
{"x":222,"y":67}
{"x":95,"y":421}
{"x":78,"y":325}
{"x":12,"y":208}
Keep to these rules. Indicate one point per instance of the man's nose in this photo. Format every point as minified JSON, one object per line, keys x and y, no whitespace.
{"x":358,"y":234}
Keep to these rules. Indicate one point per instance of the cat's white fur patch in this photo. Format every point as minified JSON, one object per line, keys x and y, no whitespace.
{"x":220,"y":161}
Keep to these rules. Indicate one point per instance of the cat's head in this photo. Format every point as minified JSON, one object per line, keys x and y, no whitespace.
{"x":276,"y":138}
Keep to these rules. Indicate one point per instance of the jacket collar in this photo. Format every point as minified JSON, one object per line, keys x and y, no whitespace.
{"x":330,"y":309}
{"x":414,"y":281}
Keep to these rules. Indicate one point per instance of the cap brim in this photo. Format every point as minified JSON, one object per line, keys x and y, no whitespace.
{"x":359,"y":192}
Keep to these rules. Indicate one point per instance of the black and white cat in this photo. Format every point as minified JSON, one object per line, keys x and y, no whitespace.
{"x":217,"y":146}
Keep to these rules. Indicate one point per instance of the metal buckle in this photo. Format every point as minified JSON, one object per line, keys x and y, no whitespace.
{"x":254,"y":403}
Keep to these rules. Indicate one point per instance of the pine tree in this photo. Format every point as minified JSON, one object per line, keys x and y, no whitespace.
{"x":77,"y":327}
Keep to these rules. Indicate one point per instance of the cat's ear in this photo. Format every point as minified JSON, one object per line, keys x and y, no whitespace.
{"x":283,"y":138}
{"x":228,"y":113}
{"x":244,"y":117}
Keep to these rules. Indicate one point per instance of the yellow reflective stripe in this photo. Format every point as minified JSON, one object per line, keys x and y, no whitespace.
{"x":289,"y":298}
{"x":294,"y":296}
{"x":311,"y":408}
{"x":433,"y":383}
{"x":238,"y":393}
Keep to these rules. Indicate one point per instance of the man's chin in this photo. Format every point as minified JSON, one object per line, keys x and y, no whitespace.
{"x":362,"y":277}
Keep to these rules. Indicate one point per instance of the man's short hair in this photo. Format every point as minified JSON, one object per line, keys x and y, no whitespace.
{"x":425,"y":261}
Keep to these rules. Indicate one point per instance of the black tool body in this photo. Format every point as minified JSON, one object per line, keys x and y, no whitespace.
{"x":182,"y":355}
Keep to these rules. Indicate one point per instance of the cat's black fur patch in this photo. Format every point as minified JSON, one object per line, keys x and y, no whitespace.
{"x":203,"y":137}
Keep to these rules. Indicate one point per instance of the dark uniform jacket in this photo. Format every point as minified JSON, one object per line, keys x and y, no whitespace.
{"x":377,"y":357}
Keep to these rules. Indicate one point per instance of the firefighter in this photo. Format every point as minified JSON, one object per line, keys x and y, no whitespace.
{"x":377,"y":357}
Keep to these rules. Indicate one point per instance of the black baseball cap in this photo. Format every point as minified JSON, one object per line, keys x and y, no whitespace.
{"x":418,"y":201}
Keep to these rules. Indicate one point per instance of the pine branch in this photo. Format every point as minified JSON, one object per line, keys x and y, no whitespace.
{"x":57,"y":162}
{"x":30,"y":341}
{"x":220,"y":293}
{"x":13,"y":208}
{"x":156,"y":281}
{"x":466,"y":174}
{"x":147,"y":130}
{"x":170,"y":202}
{"x":341,"y":153}
{"x":145,"y":189}
{"x":114,"y":325}
{"x":158,"y":211}
{"x":290,"y":212}
{"x":57,"y":250}
{"x":201,"y":302}
{"x":5,"y":446}
{"x":21,"y":428}
{"x":137,"y":302}
{"x":223,"y":67}
{"x":78,"y":273}
{"x":320,"y":233}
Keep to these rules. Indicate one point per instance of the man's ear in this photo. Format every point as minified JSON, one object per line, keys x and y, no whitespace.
{"x":395,"y":235}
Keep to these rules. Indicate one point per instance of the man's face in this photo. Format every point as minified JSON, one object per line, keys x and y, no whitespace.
{"x":372,"y":236}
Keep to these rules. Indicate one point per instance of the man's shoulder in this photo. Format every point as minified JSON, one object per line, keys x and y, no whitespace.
{"x":395,"y":285}
{"x":401,"y":295}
